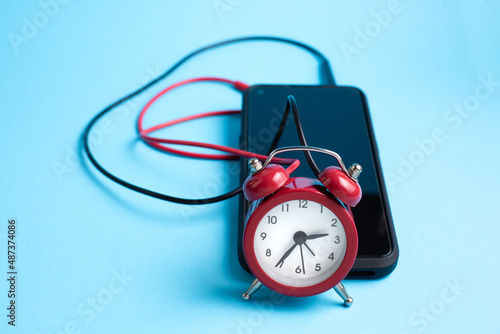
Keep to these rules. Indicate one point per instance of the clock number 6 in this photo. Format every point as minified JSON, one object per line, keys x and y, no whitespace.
{"x":298,"y":270}
{"x":272,"y":219}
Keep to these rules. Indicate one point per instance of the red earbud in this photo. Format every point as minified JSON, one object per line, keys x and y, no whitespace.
{"x":265,"y":182}
{"x":341,"y":185}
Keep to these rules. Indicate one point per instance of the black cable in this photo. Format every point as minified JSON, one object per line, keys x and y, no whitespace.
{"x":326,"y":77}
{"x":291,"y":103}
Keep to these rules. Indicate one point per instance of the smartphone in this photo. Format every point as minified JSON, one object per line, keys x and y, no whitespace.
{"x":335,"y":118}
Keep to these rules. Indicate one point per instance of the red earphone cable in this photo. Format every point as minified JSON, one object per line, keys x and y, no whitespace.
{"x":235,"y":153}
{"x":236,"y":84}
{"x":156,"y":142}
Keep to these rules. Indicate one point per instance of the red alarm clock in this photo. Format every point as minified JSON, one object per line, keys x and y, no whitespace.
{"x":300,"y":238}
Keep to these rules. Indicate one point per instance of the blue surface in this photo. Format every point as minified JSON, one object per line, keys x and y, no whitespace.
{"x":96,"y":258}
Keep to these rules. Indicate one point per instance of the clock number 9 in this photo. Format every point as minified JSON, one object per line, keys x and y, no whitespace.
{"x":272,"y":219}
{"x":263,"y":235}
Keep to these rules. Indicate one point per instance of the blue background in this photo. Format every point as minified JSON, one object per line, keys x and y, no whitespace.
{"x":97,"y":258}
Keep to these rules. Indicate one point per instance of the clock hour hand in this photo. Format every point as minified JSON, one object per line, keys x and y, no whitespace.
{"x":299,"y":238}
{"x":316,"y":236}
{"x":288,"y":252}
{"x":309,"y":249}
{"x":313,"y":236}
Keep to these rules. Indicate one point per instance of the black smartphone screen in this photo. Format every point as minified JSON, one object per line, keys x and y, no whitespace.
{"x":335,"y":118}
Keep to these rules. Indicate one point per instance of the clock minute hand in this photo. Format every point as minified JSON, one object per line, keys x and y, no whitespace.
{"x":316,"y":236}
{"x":288,"y":252}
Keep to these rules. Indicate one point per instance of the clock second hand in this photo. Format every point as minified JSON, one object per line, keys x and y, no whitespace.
{"x":302,"y":258}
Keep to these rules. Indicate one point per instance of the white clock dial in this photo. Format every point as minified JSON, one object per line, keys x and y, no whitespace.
{"x":300,"y":243}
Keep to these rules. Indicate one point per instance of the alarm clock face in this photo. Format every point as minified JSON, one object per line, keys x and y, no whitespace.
{"x":300,"y":243}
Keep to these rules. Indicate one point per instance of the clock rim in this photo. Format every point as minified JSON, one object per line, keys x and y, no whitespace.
{"x":312,"y":191}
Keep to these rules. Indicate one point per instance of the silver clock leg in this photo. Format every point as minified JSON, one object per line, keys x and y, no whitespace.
{"x":339,"y":288}
{"x":256,"y":284}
